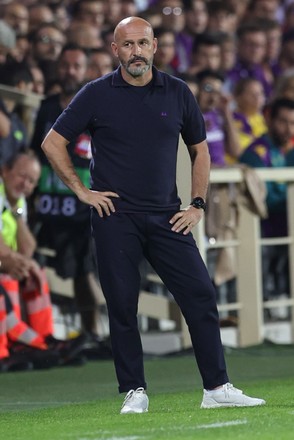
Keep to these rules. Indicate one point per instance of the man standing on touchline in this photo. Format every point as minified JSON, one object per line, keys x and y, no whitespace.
{"x":135,"y":116}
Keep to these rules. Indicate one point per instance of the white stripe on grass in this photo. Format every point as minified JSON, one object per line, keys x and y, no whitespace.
{"x":223,"y":424}
{"x":105,"y":434}
{"x":136,"y":437}
{"x":25,"y":406}
{"x":195,"y":427}
{"x":34,"y":403}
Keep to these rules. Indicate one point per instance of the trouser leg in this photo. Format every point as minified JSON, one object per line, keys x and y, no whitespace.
{"x":86,"y":290}
{"x":177,"y":261}
{"x":119,"y":252}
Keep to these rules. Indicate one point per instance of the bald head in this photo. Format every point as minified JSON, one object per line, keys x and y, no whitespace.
{"x":132,"y":25}
{"x":134,"y":45}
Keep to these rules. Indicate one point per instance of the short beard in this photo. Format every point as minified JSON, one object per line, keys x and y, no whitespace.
{"x":136,"y":72}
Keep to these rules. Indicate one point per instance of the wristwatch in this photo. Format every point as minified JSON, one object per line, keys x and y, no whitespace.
{"x":17,"y":213}
{"x":198,"y":203}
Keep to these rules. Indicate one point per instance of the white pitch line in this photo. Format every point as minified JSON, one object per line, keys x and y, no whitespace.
{"x":136,"y":437}
{"x":113,"y":438}
{"x":34,"y":403}
{"x":223,"y":424}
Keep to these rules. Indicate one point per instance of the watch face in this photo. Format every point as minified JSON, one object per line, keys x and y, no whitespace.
{"x":199,"y":203}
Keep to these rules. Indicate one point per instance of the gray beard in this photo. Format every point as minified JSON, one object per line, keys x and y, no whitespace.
{"x":136,"y":72}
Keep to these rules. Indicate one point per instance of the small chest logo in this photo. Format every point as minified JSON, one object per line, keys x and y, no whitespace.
{"x":164,"y":114}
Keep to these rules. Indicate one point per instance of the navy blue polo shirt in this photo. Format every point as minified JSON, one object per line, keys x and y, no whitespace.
{"x":135,"y":135}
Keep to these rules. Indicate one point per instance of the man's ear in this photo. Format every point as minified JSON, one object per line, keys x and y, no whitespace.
{"x":155,"y":43}
{"x":114,"y":49}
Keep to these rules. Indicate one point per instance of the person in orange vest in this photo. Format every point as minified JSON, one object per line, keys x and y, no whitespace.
{"x":12,"y":328}
{"x":21,"y":278}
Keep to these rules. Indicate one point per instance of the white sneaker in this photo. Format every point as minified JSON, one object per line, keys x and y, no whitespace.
{"x":136,"y":401}
{"x":227,"y":396}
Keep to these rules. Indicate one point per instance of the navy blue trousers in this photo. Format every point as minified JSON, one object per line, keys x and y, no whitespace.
{"x":122,"y":240}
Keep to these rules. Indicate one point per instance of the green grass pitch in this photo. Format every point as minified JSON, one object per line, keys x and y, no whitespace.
{"x":82,"y":403}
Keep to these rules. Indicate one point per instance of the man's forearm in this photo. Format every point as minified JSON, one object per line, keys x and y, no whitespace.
{"x":12,"y":262}
{"x":55,"y":148}
{"x":200,"y":172}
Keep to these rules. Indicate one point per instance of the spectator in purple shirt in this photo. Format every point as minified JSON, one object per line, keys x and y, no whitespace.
{"x":271,"y":65}
{"x":196,"y":18}
{"x":251,"y":46}
{"x":222,"y":136}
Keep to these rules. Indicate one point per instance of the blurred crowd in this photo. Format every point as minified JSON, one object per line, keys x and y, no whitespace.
{"x":236,"y":56}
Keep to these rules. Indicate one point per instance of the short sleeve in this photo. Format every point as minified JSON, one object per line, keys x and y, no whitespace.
{"x":77,"y":116}
{"x":193,"y":131}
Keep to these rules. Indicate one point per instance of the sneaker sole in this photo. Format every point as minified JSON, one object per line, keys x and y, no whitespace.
{"x":131,"y":411}
{"x":229,"y":405}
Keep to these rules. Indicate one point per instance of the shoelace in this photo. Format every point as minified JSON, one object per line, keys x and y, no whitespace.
{"x":131,"y":394}
{"x":228,"y":388}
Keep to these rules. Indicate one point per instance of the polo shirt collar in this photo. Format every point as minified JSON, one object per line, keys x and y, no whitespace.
{"x":118,"y":81}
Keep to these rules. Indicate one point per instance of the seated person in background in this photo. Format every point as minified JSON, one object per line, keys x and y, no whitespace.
{"x":251,"y":50}
{"x":206,"y":53}
{"x":99,"y":64}
{"x":228,"y":52}
{"x":21,"y":277}
{"x":274,"y":149}
{"x":13,"y":329}
{"x":271,"y":64}
{"x":222,"y":17}
{"x":19,"y":76}
{"x":165,"y":50}
{"x":222,"y":136}
{"x":284,"y":88}
{"x":196,"y":17}
{"x":248,"y":114}
{"x":47,"y":40}
{"x":265,"y":9}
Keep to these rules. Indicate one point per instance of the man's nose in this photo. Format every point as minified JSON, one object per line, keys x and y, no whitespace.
{"x":137,"y":49}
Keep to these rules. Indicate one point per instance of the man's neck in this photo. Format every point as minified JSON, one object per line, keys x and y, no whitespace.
{"x":139,"y":81}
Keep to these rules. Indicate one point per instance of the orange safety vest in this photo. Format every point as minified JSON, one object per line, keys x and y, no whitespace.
{"x":3,"y":330}
{"x":37,"y":304}
{"x":14,"y":329}
{"x":36,"y":298}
